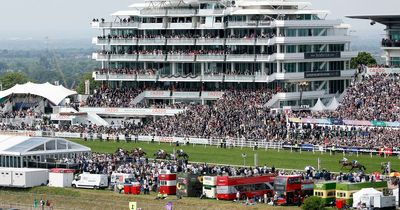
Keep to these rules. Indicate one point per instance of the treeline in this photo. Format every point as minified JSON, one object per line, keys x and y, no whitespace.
{"x":67,"y":66}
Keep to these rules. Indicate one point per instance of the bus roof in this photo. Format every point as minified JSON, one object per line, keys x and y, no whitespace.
{"x":347,"y":186}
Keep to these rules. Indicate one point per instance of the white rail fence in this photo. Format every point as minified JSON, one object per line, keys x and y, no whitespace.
{"x":223,"y":143}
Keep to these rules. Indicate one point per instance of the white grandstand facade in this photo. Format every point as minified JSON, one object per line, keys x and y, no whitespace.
{"x":200,"y":48}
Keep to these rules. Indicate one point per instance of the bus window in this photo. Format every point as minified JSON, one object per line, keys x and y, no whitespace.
{"x":296,"y":180}
{"x":331,"y":193}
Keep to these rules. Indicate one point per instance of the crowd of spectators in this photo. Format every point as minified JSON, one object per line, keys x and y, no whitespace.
{"x":390,"y":43}
{"x":112,"y":97}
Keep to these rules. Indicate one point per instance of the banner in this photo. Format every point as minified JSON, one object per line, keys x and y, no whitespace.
{"x":67,"y":135}
{"x":318,"y":55}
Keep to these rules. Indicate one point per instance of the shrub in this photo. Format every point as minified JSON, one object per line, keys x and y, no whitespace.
{"x":313,"y":203}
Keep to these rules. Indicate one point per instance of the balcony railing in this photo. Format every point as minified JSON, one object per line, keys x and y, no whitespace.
{"x":123,"y":57}
{"x":181,"y":25}
{"x":265,"y":41}
{"x":152,"y":41}
{"x":206,"y":12}
{"x":207,"y":57}
{"x":241,"y":57}
{"x":153,"y":12}
{"x":181,"y":12}
{"x":240,"y":41}
{"x":210,"y":41}
{"x":144,"y":77}
{"x":242,"y":23}
{"x":180,"y":57}
{"x":151,"y":57}
{"x":266,"y":58}
{"x":180,"y":41}
{"x":115,"y":25}
{"x":156,"y":26}
{"x":213,"y":78}
{"x":244,"y":78}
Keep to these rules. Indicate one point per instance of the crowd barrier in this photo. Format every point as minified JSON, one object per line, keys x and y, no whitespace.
{"x":223,"y":143}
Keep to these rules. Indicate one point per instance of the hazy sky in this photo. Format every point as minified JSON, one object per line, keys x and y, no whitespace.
{"x":63,"y":19}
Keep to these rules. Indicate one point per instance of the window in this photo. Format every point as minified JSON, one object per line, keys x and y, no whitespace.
{"x":290,"y":49}
{"x":331,"y":194}
{"x":304,"y":67}
{"x":295,"y":180}
{"x":395,"y":61}
{"x":289,"y":67}
{"x":290,"y":32}
{"x":304,"y":48}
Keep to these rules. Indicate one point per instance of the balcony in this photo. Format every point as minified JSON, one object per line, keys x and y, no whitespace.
{"x":153,"y":12}
{"x":213,"y":78}
{"x":100,"y":57}
{"x":211,"y":41}
{"x":121,"y":77}
{"x":181,"y":58}
{"x":156,"y":26}
{"x":99,"y":77}
{"x":180,"y":41}
{"x":313,"y":39}
{"x":240,"y":41}
{"x":151,"y":57}
{"x":123,"y":57}
{"x":211,"y":26}
{"x":152,"y":41}
{"x":115,"y":25}
{"x":307,"y":23}
{"x":181,"y":25}
{"x":180,"y":78}
{"x":146,"y":77}
{"x":239,"y":78}
{"x":241,"y":58}
{"x":241,"y":24}
{"x":130,"y":41}
{"x":181,"y":12}
{"x":211,"y":58}
{"x":208,"y":12}
{"x":266,"y":58}
{"x":265,"y":41}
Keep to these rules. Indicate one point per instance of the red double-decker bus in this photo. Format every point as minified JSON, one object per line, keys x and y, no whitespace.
{"x":248,"y":187}
{"x":291,"y":188}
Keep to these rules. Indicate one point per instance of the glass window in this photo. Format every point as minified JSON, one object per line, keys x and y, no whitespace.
{"x":289,"y":67}
{"x":290,"y":48}
{"x":395,"y":61}
{"x":304,"y":67}
{"x":304,"y":48}
{"x":290,"y":32}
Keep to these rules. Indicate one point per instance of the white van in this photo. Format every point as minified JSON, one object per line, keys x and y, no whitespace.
{"x":87,"y":180}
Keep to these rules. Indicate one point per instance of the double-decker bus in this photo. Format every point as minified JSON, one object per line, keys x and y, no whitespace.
{"x":248,"y":187}
{"x":326,"y":191}
{"x":291,"y":188}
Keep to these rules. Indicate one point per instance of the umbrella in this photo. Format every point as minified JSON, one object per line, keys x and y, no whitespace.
{"x":396,"y":174}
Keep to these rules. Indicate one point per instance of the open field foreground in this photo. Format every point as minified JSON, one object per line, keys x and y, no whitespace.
{"x":282,"y":159}
{"x":86,"y":199}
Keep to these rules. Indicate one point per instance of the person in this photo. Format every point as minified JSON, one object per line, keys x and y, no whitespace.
{"x":203,"y":195}
{"x":237,"y":196}
{"x":275,"y":199}
{"x":355,"y":162}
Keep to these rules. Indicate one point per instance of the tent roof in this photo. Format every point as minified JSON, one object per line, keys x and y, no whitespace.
{"x":365,"y":191}
{"x":25,"y":145}
{"x":319,"y":106}
{"x":53,"y":93}
{"x":333,"y":105}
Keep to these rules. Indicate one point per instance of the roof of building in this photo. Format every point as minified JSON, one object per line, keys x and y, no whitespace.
{"x":383,"y":19}
{"x":53,"y":93}
{"x":25,"y":145}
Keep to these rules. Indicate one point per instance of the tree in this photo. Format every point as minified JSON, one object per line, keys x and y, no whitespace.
{"x":362,"y":58}
{"x":313,"y":203}
{"x":10,"y":79}
{"x":81,"y":86}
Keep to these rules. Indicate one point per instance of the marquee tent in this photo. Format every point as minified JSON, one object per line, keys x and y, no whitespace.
{"x":18,"y":151}
{"x":333,"y":105}
{"x":53,"y":93}
{"x":363,"y":196}
{"x":318,"y":107}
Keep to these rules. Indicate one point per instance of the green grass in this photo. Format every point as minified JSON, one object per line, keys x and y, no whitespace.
{"x":282,"y":159}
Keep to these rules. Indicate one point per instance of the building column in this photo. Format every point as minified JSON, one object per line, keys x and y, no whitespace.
{"x":278,"y":67}
{"x":173,"y":68}
{"x":202,"y":69}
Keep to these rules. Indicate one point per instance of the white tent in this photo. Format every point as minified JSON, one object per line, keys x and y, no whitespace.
{"x":333,"y":105}
{"x":53,"y":93}
{"x":319,"y":106}
{"x":364,"y":196}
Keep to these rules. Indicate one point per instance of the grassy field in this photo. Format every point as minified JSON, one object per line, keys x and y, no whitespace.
{"x":86,"y":199}
{"x":280,"y":159}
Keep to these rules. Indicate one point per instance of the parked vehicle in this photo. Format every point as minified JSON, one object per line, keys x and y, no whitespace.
{"x":87,"y":180}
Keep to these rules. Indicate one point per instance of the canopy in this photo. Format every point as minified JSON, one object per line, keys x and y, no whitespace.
{"x":319,"y":106}
{"x":363,"y":196}
{"x":333,"y":105}
{"x":53,"y":93}
{"x":25,"y":145}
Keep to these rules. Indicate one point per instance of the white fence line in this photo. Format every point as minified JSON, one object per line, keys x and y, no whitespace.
{"x":223,"y":143}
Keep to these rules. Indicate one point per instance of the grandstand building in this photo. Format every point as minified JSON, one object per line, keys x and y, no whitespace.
{"x":196,"y":49}
{"x":391,"y":42}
